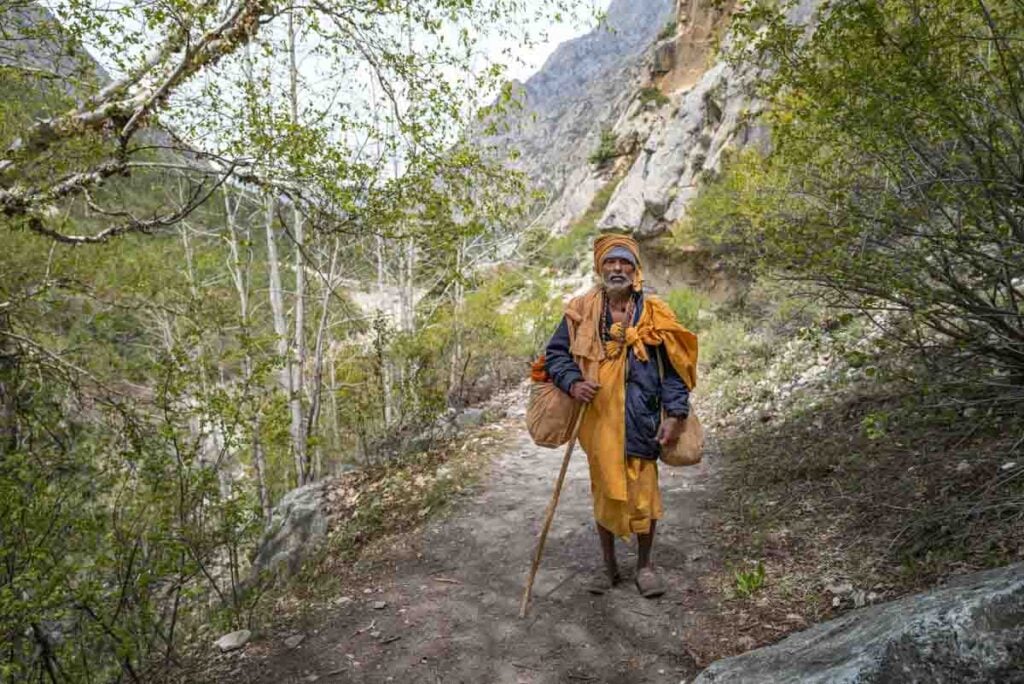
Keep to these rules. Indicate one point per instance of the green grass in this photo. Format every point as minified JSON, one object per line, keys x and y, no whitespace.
{"x":749,"y":582}
{"x":652,"y":94}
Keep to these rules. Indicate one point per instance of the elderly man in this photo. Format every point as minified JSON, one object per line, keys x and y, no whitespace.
{"x":623,"y":354}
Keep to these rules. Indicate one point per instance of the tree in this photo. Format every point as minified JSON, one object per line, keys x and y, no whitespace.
{"x":894,"y":179}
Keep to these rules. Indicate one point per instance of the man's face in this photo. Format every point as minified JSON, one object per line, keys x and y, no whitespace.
{"x":617,"y":275}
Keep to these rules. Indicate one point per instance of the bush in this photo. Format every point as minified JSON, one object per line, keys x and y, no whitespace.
{"x":652,"y":94}
{"x":605,"y":151}
{"x":890,"y":183}
{"x":667,"y":31}
{"x":687,"y":305}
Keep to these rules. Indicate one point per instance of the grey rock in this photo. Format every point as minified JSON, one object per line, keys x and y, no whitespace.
{"x":294,"y":640}
{"x":664,"y":57}
{"x":298,"y":525}
{"x":971,"y":630}
{"x":233,"y":640}
{"x":470,"y":417}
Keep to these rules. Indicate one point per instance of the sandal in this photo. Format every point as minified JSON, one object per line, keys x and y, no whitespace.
{"x":649,"y":583}
{"x":601,"y":582}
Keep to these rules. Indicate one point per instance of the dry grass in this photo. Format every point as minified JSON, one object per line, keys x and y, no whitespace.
{"x":865,"y":498}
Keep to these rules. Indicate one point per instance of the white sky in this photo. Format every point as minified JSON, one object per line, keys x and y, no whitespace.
{"x":531,"y":59}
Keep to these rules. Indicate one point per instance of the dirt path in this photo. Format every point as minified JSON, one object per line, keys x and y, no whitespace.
{"x":442,"y":606}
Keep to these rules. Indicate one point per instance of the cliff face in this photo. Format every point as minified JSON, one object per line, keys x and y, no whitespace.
{"x":583,"y":87}
{"x":665,"y":144}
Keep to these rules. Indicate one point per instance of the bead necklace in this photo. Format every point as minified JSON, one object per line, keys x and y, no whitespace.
{"x":627,"y":320}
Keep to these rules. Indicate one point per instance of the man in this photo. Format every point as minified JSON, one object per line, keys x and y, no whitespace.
{"x":623,"y":354}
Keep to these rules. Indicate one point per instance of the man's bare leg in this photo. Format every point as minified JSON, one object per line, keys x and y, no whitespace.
{"x":644,"y":542}
{"x":603,"y":581}
{"x":647,"y":580}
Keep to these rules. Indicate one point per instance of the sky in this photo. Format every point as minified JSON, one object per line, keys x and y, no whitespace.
{"x":520,"y":60}
{"x":530,"y":59}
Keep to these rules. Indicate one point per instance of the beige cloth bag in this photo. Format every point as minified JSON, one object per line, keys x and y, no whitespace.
{"x":689,"y":450}
{"x":550,"y":414}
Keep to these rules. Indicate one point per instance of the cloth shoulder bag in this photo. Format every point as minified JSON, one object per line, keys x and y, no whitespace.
{"x":550,"y":412}
{"x":689,"y":449}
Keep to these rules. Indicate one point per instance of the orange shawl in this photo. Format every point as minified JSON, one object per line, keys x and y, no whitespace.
{"x":603,"y":429}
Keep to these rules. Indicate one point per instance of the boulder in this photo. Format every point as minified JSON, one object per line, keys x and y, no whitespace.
{"x":971,"y":630}
{"x":298,"y":525}
{"x":233,"y":640}
{"x":664,"y":57}
{"x":469,"y":417}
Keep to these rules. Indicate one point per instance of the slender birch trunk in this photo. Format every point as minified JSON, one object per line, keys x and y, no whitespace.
{"x":385,"y":365}
{"x":316,"y":391}
{"x":458,"y":295}
{"x":286,"y":375}
{"x":298,"y":427}
{"x":241,"y":275}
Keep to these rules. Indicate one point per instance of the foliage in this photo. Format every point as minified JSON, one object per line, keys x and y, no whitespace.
{"x":150,"y":403}
{"x":896,"y":130}
{"x":687,"y":304}
{"x":653,"y":95}
{"x":606,"y":149}
{"x":749,"y":582}
{"x":667,"y":31}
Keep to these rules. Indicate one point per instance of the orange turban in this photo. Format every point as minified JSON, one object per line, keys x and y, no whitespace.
{"x":607,"y":242}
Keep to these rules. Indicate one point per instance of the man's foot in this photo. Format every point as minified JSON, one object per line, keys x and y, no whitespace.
{"x":649,"y":582}
{"x":602,"y":581}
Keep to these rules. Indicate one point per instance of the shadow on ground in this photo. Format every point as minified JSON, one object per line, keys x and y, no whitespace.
{"x":442,"y":606}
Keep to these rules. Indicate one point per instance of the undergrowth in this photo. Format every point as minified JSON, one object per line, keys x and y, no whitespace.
{"x":370,"y":509}
{"x":852,"y":474}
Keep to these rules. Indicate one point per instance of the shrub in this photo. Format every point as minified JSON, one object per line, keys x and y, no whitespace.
{"x":667,"y":31}
{"x":605,"y":151}
{"x":891,"y":181}
{"x":687,"y":304}
{"x":652,"y":94}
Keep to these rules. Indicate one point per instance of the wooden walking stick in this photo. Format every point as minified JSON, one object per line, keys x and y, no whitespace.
{"x":524,"y":604}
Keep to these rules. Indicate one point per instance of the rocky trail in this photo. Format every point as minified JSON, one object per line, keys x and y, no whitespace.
{"x":441,"y":604}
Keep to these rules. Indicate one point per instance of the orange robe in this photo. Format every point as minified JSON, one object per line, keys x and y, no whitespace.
{"x":625,"y":489}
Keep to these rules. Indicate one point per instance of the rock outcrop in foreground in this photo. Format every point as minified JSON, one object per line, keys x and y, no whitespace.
{"x":971,"y":630}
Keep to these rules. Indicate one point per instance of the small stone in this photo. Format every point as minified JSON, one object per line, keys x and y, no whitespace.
{"x":1008,"y":466}
{"x":839,"y":588}
{"x":311,"y":678}
{"x":342,"y":600}
{"x":294,"y":640}
{"x":234,"y":640}
{"x":380,"y":605}
{"x":963,"y":467}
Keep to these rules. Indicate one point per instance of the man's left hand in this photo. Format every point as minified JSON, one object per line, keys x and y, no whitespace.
{"x":671,"y":429}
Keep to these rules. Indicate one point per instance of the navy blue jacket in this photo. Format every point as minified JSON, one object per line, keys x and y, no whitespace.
{"x":645,"y":391}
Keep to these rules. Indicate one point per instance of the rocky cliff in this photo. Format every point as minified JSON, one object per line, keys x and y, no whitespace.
{"x":673,"y":108}
{"x":583,"y":87}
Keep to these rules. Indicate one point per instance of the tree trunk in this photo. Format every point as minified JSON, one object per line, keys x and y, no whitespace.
{"x":316,"y":391}
{"x":298,"y":427}
{"x":241,"y":275}
{"x":286,"y":376}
